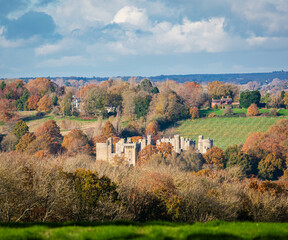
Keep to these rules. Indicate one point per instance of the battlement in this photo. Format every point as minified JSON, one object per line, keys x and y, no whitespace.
{"x":128,"y":149}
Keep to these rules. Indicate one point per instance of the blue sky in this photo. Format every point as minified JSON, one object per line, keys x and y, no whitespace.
{"x":141,"y":37}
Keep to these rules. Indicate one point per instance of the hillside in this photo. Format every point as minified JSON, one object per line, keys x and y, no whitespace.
{"x":225,"y":131}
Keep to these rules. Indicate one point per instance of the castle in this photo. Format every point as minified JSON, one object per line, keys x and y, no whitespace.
{"x":125,"y":147}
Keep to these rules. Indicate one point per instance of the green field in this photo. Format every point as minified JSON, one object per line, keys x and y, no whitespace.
{"x":225,"y":131}
{"x":156,"y":230}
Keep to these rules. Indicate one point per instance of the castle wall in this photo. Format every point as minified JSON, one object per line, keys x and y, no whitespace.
{"x":101,"y":152}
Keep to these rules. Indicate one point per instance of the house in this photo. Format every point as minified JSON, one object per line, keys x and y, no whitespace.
{"x":221,"y":102}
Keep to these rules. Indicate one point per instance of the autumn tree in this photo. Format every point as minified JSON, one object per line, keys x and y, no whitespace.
{"x":145,"y":154}
{"x":33,"y":102}
{"x":7,"y":107}
{"x":76,"y":141}
{"x":25,"y":140}
{"x":194,"y":112}
{"x":165,"y":149}
{"x":253,"y":110}
{"x":228,"y":111}
{"x":285,"y":99}
{"x":108,"y":130}
{"x":45,"y":104}
{"x":192,"y":94}
{"x":215,"y":157}
{"x":40,"y":86}
{"x":8,"y":142}
{"x":152,"y":129}
{"x":20,"y":129}
{"x":219,"y":89}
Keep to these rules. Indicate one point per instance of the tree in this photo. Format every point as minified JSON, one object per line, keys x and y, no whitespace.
{"x":215,"y":157}
{"x":253,"y":110}
{"x":228,"y":111}
{"x":146,"y":85}
{"x":49,"y":129}
{"x":33,"y":102}
{"x":219,"y":89}
{"x":152,"y":129}
{"x":234,"y":156}
{"x":271,"y":167}
{"x":247,"y":98}
{"x":108,"y":130}
{"x":142,"y":105}
{"x":266,"y":99}
{"x":6,"y":109}
{"x":25,"y":140}
{"x":40,"y":86}
{"x":145,"y":154}
{"x":45,"y":104}
{"x":2,"y":85}
{"x":76,"y":141}
{"x":285,"y":99}
{"x":165,"y":149}
{"x":194,"y":112}
{"x":20,"y":129}
{"x":21,"y":103}
{"x":8,"y":143}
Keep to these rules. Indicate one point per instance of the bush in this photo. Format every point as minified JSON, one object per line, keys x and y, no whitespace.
{"x":228,"y":112}
{"x":211,"y":115}
{"x":253,"y":110}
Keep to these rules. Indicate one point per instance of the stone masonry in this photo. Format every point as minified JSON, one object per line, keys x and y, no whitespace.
{"x":130,"y":150}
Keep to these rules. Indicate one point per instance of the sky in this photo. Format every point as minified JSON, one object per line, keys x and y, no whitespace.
{"x":85,"y":38}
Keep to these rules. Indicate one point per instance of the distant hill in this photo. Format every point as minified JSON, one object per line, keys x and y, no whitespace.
{"x":237,"y":78}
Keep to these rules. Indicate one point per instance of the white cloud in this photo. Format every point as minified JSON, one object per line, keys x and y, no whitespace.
{"x":132,"y":16}
{"x":63,"y":61}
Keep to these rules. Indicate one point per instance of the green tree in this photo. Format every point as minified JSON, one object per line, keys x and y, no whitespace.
{"x":249,"y":97}
{"x":142,"y":105}
{"x":21,"y":103}
{"x":234,"y":156}
{"x":272,"y":167}
{"x":266,"y":99}
{"x":146,"y":85}
{"x":20,"y":129}
{"x":2,"y":85}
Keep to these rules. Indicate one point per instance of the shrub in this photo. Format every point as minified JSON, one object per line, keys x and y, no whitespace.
{"x":228,"y":111}
{"x":211,"y":115}
{"x":253,"y":110}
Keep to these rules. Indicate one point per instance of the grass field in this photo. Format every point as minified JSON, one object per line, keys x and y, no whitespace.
{"x":155,"y":230}
{"x":225,"y":131}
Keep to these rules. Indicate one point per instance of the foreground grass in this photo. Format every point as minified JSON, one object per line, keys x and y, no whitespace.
{"x":225,"y":131}
{"x":154,"y":230}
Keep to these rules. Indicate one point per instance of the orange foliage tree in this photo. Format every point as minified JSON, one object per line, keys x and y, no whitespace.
{"x":45,"y":104}
{"x":145,"y":154}
{"x":6,"y":109}
{"x":39,"y":86}
{"x":253,"y":110}
{"x":194,"y":112}
{"x":165,"y":149}
{"x":152,"y":129}
{"x":33,"y":102}
{"x":76,"y":141}
{"x":215,"y":157}
{"x":108,"y":130}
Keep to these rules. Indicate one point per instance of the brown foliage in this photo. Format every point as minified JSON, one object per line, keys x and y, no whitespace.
{"x":165,"y":149}
{"x":39,"y":86}
{"x":6,"y":109}
{"x":76,"y":141}
{"x":136,"y":139}
{"x":215,"y":157}
{"x":25,"y":140}
{"x":33,"y":102}
{"x":194,"y":112}
{"x":145,"y":154}
{"x":253,"y":110}
{"x":45,"y":104}
{"x":108,"y":130}
{"x":152,"y":129}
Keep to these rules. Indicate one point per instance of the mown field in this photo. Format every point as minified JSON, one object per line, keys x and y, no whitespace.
{"x":155,"y":230}
{"x":225,"y":131}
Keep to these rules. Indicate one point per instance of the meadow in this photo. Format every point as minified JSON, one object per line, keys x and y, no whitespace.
{"x":153,"y":230}
{"x":225,"y":131}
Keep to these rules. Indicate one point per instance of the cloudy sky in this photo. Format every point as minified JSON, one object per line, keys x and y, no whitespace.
{"x":141,"y":37}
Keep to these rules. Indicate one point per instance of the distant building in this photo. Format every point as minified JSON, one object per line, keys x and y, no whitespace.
{"x":129,"y":150}
{"x":221,"y":102}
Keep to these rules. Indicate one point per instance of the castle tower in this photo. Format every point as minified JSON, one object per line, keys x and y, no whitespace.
{"x":177,"y":147}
